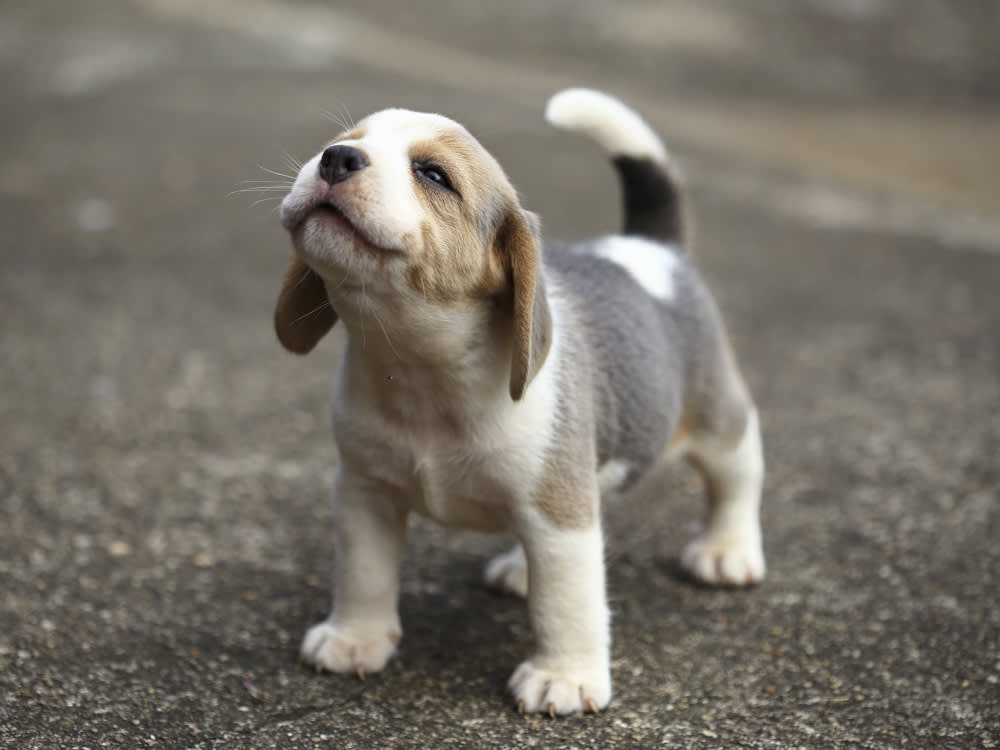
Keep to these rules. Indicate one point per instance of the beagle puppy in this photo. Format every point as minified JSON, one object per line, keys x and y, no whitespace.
{"x":493,"y":383}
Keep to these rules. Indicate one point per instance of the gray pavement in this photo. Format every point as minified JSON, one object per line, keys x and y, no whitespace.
{"x":165,"y":467}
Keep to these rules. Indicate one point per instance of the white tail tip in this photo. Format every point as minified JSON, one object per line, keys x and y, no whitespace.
{"x":615,"y":127}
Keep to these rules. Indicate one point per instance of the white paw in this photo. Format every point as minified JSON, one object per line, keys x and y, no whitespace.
{"x":560,"y":689}
{"x":509,"y":572}
{"x":733,"y":558}
{"x":336,"y":648}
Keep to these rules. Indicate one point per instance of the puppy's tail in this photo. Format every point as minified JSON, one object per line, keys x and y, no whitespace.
{"x":651,"y":191}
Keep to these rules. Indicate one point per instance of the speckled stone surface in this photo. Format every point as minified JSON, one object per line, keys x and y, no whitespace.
{"x":165,"y":467}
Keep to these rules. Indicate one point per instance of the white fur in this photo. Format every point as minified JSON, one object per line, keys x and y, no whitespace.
{"x":502,"y":453}
{"x":651,"y":264}
{"x":474,"y":481}
{"x":509,"y":572}
{"x":611,"y":475}
{"x":567,"y":603}
{"x":301,"y":192}
{"x":362,"y":631}
{"x":730,"y":551}
{"x":617,"y":128}
{"x":384,"y":209}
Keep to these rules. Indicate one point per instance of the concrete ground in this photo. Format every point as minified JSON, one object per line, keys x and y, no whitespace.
{"x":165,"y":467}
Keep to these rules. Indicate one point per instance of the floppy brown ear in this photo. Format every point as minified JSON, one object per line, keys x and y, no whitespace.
{"x":532,"y":321}
{"x":303,"y":314}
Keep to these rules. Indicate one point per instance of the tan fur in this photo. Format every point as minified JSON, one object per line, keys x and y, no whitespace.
{"x":683,"y":433}
{"x":354,"y":134}
{"x":455,"y":267}
{"x":303,"y":314}
{"x":532,"y":317}
{"x":455,"y":264}
{"x":568,"y":495}
{"x":712,"y":488}
{"x":470,"y":173}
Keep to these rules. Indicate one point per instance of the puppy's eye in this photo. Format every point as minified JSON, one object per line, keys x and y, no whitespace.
{"x":433,"y":173}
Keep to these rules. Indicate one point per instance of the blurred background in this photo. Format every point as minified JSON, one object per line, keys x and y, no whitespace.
{"x":164,"y":466}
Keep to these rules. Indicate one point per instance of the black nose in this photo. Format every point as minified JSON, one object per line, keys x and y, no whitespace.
{"x":338,"y":162}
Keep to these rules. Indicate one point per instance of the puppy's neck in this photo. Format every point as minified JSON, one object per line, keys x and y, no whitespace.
{"x":392,"y":335}
{"x":417,"y":377}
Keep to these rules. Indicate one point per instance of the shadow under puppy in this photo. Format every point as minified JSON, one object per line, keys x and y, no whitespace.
{"x":488,"y":385}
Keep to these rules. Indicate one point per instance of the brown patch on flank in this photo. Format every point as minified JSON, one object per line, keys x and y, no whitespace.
{"x":567,"y":494}
{"x":303,"y":313}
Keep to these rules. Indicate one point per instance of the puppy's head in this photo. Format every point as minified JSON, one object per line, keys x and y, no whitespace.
{"x":409,"y":207}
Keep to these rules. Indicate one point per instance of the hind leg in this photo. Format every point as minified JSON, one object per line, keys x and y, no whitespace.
{"x":729,"y":551}
{"x":508,"y":572}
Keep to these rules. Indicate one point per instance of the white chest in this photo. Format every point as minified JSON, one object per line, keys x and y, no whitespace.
{"x":465,"y":473}
{"x":449,"y":441}
{"x":461,"y":486}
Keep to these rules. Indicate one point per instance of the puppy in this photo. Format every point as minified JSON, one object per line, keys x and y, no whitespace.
{"x":491,"y":385}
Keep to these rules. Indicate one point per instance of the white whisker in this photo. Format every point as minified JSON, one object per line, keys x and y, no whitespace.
{"x":347,"y":115}
{"x":342,"y":119}
{"x":364,"y":304}
{"x":311,"y":312}
{"x":292,"y":161}
{"x":265,"y":200}
{"x":341,"y":282}
{"x":336,"y":119}
{"x":386,"y":334}
{"x":262,"y":185}
{"x":260,"y":189}
{"x":276,"y":174}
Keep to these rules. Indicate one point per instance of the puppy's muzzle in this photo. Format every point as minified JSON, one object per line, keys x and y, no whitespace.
{"x":339,"y":162}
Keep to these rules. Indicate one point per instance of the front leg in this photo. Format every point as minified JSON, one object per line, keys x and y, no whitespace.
{"x":569,"y":671}
{"x":363,"y":629}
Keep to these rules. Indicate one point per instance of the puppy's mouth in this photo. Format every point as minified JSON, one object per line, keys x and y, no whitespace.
{"x":327,"y":211}
{"x":328,"y":214}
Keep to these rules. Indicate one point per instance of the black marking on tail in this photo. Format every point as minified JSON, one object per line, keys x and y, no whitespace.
{"x":652,"y":200}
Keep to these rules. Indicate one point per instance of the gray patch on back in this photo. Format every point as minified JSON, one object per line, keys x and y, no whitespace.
{"x":647,"y":354}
